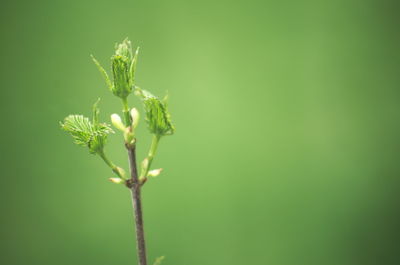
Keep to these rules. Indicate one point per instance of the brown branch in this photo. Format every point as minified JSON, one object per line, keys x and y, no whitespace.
{"x":135,"y":186}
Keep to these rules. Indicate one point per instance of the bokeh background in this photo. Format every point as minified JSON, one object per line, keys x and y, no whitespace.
{"x":287,"y":142}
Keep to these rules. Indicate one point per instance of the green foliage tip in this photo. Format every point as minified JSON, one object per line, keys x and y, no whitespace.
{"x":123,"y":65}
{"x":86,"y":133}
{"x":157,"y":116}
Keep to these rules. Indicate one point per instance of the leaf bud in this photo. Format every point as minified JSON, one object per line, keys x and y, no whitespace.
{"x":117,"y":122}
{"x":154,"y":172}
{"x":116,"y":180}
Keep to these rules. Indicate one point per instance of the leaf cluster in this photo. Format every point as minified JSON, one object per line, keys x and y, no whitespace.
{"x":123,"y":64}
{"x":86,"y":133}
{"x":157,"y":116}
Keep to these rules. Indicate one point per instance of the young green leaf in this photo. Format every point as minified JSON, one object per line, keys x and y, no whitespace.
{"x":123,"y":65}
{"x":133,"y":65}
{"x":103,"y":73}
{"x":80,"y":128}
{"x":157,"y":116}
{"x":86,"y":133}
{"x":122,"y":76}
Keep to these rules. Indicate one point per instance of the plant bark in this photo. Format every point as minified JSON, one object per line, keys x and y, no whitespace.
{"x":135,"y":186}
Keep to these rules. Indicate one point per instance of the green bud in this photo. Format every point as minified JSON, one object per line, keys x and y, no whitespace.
{"x":145,"y":163}
{"x":123,"y":67}
{"x":122,"y":80}
{"x":157,"y":116}
{"x":116,"y":180}
{"x":134,"y":117}
{"x":124,"y":49}
{"x":129,"y":136}
{"x":120,"y":172}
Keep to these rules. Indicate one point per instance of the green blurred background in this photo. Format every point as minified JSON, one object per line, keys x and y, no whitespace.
{"x":286,"y":150}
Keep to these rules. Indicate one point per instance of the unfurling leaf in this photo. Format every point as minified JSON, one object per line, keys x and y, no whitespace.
{"x":103,"y":73}
{"x":123,"y":65}
{"x":122,"y":76}
{"x":157,"y":116}
{"x":87,"y":133}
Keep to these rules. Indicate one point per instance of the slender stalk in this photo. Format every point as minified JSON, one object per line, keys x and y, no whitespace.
{"x":150,"y":156}
{"x":113,"y":167}
{"x":125,"y":110}
{"x":153,"y":148}
{"x":135,"y":187}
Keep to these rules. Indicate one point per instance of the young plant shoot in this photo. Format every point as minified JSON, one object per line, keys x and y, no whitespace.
{"x":93,"y":134}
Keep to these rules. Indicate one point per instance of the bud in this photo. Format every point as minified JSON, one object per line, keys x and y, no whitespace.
{"x":116,"y":180}
{"x":117,"y":122}
{"x":145,"y":166}
{"x":157,"y":116}
{"x":122,"y":79}
{"x":119,"y":171}
{"x":122,"y":172}
{"x":123,"y":65}
{"x":134,"y":117}
{"x":154,"y":172}
{"x":129,"y":136}
{"x":145,"y":163}
{"x":124,"y":49}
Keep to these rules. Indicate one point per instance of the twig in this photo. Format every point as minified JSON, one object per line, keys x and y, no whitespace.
{"x":135,"y":186}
